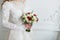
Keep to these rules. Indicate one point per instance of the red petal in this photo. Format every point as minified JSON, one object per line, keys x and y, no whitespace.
{"x":28,"y":12}
{"x":35,"y":15}
{"x":29,"y":18}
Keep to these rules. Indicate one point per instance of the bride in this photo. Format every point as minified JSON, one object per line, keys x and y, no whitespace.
{"x":12,"y":11}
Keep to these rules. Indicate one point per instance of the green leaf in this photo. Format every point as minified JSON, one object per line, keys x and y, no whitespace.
{"x":28,"y":30}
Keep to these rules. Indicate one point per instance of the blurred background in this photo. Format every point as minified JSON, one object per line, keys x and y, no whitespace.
{"x":48,"y":11}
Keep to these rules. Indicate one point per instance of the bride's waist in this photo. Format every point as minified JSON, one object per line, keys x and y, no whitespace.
{"x":16,"y":22}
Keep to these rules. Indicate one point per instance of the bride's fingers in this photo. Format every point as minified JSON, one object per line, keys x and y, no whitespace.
{"x":27,"y":25}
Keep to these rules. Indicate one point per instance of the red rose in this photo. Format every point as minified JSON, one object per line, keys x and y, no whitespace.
{"x":29,"y":18}
{"x":28,"y":12}
{"x":34,"y":14}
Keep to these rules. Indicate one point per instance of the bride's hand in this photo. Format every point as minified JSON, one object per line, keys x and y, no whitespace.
{"x":28,"y":26}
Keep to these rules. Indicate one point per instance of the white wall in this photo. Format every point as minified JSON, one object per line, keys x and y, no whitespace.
{"x":44,"y":9}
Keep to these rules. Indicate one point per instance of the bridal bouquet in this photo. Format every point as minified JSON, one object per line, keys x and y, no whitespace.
{"x":29,"y":18}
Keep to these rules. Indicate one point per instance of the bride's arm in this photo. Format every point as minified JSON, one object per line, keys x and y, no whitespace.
{"x":5,"y":18}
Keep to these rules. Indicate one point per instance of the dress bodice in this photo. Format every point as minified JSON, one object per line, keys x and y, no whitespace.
{"x":15,"y":13}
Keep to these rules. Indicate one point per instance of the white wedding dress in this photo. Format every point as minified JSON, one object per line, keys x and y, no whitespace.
{"x":11,"y":19}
